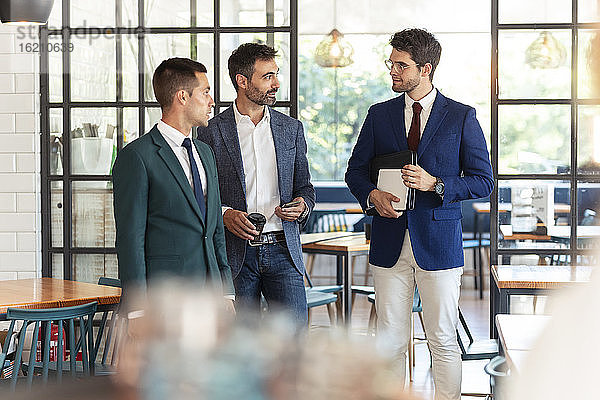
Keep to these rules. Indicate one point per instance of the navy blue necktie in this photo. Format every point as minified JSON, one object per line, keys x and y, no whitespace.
{"x":187,"y":143}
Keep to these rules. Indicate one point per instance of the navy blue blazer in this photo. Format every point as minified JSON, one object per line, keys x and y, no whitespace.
{"x":292,"y":169}
{"x":453,"y":148}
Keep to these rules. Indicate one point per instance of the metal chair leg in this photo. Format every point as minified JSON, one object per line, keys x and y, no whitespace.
{"x":331,"y":313}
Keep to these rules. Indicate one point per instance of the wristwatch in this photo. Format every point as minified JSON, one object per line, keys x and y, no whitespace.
{"x":439,"y":186}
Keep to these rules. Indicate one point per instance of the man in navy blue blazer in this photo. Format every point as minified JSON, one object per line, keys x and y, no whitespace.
{"x":422,"y":246}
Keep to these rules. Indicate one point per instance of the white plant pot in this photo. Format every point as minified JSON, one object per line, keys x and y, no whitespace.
{"x":91,"y":156}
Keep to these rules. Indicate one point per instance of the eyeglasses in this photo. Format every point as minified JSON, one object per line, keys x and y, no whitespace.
{"x":396,"y":66}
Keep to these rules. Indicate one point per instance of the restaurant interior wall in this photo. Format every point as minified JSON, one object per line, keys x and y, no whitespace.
{"x":20,"y":244}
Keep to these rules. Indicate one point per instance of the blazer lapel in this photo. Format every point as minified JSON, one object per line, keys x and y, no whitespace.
{"x":174,"y":166}
{"x":229,"y":133}
{"x":396,"y":112}
{"x":438,"y":113}
{"x":283,"y":144}
{"x":205,"y":159}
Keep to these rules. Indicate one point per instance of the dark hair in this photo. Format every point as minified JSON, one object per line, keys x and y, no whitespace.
{"x":243,"y":58}
{"x":422,"y":46}
{"x":173,"y":75}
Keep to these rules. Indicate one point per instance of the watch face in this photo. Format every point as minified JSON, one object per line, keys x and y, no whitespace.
{"x":439,"y":188}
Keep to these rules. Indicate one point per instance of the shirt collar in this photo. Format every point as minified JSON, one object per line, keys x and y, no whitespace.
{"x":426,"y":102}
{"x":171,"y":133}
{"x":239,"y":117}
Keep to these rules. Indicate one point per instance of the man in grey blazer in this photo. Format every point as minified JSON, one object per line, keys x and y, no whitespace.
{"x":262,"y":165}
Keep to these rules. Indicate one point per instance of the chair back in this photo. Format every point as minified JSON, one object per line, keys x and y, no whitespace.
{"x":327,"y":221}
{"x":110,"y":329}
{"x":109,"y":282}
{"x":74,"y":326}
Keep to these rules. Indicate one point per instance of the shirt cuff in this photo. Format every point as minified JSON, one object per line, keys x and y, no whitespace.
{"x":230,"y":297}
{"x":223,"y":209}
{"x":369,"y":204}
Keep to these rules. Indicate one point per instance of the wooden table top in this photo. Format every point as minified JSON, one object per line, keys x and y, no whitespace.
{"x":306,"y":238}
{"x":540,"y":276}
{"x":527,"y":236}
{"x":484,"y":207}
{"x":351,"y":243}
{"x":583,"y":231}
{"x":52,"y":293}
{"x":350,"y":208}
{"x":518,"y":334}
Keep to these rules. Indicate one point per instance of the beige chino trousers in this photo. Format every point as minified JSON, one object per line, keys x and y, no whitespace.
{"x":439,"y":291}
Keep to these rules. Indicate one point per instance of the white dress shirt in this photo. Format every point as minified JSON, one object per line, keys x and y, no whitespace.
{"x":260,"y":167}
{"x":427,"y":104}
{"x":175,"y":140}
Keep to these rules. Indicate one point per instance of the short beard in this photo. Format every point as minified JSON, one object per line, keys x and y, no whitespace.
{"x":260,"y":98}
{"x":408,"y":86}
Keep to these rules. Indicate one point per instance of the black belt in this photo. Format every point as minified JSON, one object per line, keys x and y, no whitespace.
{"x":268,"y":238}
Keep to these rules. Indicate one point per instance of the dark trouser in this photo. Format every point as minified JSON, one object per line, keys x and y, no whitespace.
{"x":269,"y":269}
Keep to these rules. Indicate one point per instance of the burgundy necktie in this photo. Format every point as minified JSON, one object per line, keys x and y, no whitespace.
{"x":414,"y":133}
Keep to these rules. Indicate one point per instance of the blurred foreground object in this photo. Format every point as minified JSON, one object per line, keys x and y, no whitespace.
{"x":184,"y":345}
{"x":564,"y":361}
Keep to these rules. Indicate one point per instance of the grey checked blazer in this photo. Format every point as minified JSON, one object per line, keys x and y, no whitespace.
{"x":292,"y":167}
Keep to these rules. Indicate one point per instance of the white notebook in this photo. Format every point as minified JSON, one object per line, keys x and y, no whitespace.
{"x":390,"y":180}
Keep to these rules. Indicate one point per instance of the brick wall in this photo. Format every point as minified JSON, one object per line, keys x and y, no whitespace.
{"x":20,"y":224}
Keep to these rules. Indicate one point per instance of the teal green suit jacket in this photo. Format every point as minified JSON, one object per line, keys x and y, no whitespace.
{"x":160,"y":229}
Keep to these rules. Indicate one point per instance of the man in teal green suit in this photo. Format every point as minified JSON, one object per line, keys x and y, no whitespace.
{"x":166,"y":191}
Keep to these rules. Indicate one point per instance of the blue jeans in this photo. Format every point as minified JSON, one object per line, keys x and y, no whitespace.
{"x":269,"y":269}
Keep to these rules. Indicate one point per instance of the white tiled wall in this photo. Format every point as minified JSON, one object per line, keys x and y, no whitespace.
{"x":20,"y":243}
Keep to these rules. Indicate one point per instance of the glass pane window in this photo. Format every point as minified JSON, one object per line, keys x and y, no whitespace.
{"x":588,"y":11}
{"x":92,"y":217}
{"x":129,"y":69}
{"x":93,"y":68}
{"x":532,"y":11}
{"x":55,"y":70}
{"x":534,"y":64}
{"x":89,"y":267}
{"x":55,"y":18}
{"x":255,"y":13}
{"x":101,"y":15}
{"x":165,"y":13}
{"x":56,"y":214}
{"x":56,"y":141}
{"x":534,"y":214}
{"x":131,"y":126}
{"x":588,"y":150}
{"x":534,"y":139}
{"x":588,"y":215}
{"x":588,"y":61}
{"x":57,"y":266}
{"x":152,"y":115}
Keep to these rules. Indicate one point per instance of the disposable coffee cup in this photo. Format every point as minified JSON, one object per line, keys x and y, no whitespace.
{"x":259,"y":221}
{"x":367,"y":226}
